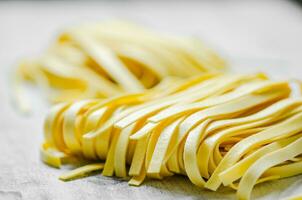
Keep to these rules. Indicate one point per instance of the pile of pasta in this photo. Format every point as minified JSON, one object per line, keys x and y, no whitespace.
{"x":216,"y":129}
{"x":101,"y":60}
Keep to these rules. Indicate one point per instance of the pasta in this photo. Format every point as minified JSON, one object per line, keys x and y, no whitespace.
{"x":101,"y":60}
{"x":217,"y":129}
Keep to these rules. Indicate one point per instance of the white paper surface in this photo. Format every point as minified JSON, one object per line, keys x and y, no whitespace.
{"x":253,"y":35}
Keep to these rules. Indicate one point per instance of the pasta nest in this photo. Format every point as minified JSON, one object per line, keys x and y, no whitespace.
{"x":216,"y":129}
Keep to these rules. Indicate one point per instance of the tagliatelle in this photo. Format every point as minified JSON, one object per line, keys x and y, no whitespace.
{"x":81,"y":171}
{"x":261,"y":165}
{"x":101,"y":60}
{"x":239,"y":130}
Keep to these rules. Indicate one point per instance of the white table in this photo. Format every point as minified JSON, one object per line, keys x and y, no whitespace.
{"x":253,"y":35}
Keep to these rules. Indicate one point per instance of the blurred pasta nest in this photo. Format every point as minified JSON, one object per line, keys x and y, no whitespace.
{"x":106,"y":59}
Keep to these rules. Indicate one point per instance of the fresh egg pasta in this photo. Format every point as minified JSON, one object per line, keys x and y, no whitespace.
{"x":217,"y":129}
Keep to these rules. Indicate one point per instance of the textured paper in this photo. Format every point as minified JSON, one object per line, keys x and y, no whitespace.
{"x":260,"y":35}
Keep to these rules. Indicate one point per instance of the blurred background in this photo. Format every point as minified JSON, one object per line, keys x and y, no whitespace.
{"x":248,"y":33}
